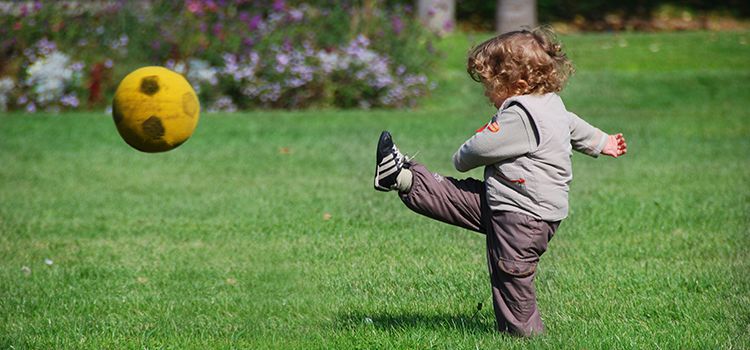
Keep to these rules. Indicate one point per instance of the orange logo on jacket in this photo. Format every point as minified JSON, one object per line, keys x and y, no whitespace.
{"x":491,"y":126}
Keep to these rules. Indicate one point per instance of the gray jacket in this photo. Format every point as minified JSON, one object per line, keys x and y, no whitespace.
{"x":528,"y":161}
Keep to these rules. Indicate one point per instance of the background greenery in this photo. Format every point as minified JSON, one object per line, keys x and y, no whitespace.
{"x":263,"y":230}
{"x":597,"y":14}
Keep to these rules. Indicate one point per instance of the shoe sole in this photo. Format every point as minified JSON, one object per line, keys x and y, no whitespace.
{"x":377,"y":171}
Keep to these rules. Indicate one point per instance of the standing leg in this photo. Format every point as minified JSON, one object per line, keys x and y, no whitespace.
{"x":514,"y":246}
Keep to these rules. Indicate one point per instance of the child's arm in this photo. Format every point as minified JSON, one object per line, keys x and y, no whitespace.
{"x":585,"y":138}
{"x":507,"y":135}
{"x":592,"y":141}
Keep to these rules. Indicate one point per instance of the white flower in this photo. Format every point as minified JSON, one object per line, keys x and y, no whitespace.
{"x":48,"y":77}
{"x":201,"y":72}
{"x":6,"y":87}
{"x":223,"y":104}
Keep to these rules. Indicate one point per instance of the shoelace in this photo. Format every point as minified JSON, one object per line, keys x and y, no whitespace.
{"x":404,"y":157}
{"x":408,"y":158}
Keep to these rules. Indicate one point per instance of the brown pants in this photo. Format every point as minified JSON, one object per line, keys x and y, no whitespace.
{"x":514,"y":242}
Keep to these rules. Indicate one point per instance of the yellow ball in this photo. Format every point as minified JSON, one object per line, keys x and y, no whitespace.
{"x":155,"y":109}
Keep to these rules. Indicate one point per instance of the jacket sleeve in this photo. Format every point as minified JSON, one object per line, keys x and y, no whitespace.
{"x":585,"y":138}
{"x":507,"y":135}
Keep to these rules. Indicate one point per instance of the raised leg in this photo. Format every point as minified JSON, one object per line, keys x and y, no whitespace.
{"x":456,"y":202}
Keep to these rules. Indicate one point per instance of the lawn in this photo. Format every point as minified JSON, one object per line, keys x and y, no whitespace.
{"x":263,"y":230}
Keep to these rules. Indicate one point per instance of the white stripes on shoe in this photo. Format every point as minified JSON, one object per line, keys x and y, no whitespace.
{"x":386,"y":159}
{"x":387,"y":169}
{"x":389,"y":165}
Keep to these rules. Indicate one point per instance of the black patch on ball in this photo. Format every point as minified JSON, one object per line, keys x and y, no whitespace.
{"x":116,"y":113}
{"x":150,"y":85}
{"x":153,"y":127}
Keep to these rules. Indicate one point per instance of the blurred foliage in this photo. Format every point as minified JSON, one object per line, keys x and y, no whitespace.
{"x":595,"y":14}
{"x":106,"y":39}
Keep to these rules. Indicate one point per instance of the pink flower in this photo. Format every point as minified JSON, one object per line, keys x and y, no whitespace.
{"x":217,"y":29}
{"x":448,"y":25}
{"x":194,"y":6}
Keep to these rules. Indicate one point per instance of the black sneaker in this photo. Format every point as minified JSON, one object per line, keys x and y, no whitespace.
{"x":388,"y":163}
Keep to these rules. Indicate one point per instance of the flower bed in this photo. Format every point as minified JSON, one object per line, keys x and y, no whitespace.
{"x":239,"y":54}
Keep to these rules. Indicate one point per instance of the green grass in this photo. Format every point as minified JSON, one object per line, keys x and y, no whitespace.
{"x":222,"y":243}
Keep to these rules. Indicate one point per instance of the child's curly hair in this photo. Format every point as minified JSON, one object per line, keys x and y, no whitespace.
{"x":520,"y":62}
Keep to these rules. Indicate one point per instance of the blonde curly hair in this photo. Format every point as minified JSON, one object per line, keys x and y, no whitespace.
{"x":519,"y":63}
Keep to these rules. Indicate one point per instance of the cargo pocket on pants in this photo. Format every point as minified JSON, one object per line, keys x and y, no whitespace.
{"x":517,"y":268}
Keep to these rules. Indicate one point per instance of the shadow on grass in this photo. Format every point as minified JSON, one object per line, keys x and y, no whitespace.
{"x":410,"y":320}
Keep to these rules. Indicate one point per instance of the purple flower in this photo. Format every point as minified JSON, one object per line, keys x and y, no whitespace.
{"x":278,"y":5}
{"x":448,"y":25}
{"x":31,"y":108}
{"x":244,"y":16}
{"x":217,"y":28}
{"x":22,"y":100}
{"x":46,"y":47}
{"x":255,"y":22}
{"x":69,"y":100}
{"x":78,"y":66}
{"x":124,"y":40}
{"x":362,"y":41}
{"x":282,"y":60}
{"x":296,"y":15}
{"x":397,"y":24}
{"x":121,"y":42}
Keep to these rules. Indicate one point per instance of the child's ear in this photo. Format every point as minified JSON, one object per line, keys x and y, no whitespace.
{"x":521,"y":87}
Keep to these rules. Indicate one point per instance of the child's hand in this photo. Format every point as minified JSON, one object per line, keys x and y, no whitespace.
{"x":615,"y":146}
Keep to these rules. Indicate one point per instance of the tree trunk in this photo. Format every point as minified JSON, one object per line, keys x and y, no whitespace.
{"x":515,"y":15}
{"x":438,"y":15}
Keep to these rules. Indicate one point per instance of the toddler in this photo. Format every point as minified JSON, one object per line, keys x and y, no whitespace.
{"x":526,"y":151}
